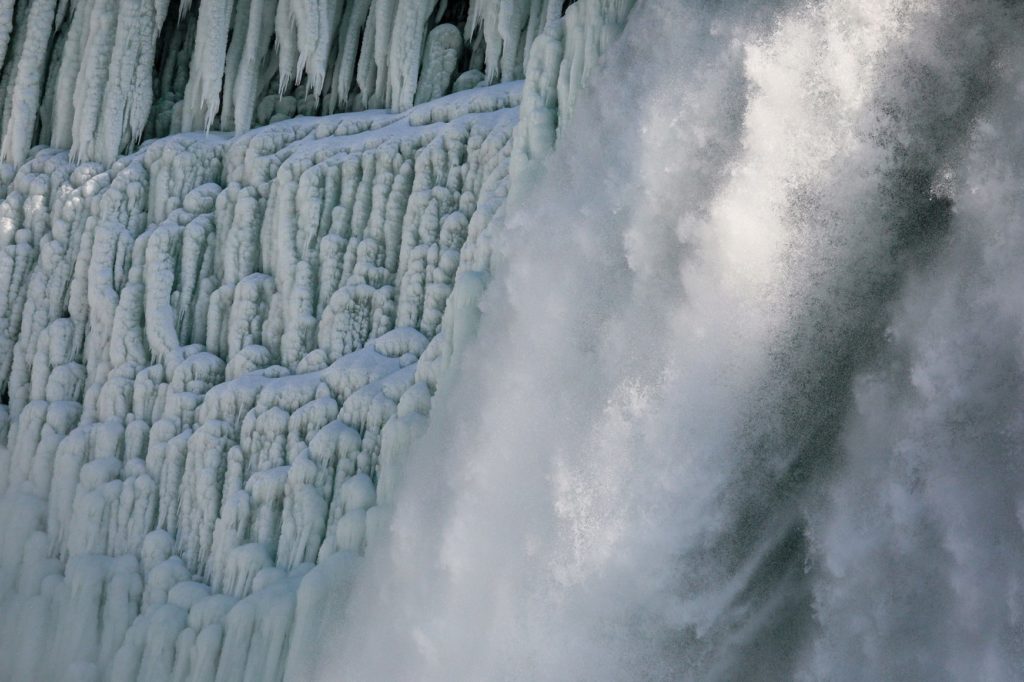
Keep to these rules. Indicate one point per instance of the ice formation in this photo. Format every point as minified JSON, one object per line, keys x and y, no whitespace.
{"x":98,"y":76}
{"x":215,"y":349}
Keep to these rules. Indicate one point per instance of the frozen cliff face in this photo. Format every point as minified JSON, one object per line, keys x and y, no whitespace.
{"x":215,"y":350}
{"x":203,"y":345}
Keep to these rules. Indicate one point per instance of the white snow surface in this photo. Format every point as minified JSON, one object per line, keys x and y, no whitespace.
{"x":216,"y":350}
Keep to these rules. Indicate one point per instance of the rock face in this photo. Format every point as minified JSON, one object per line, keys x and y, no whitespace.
{"x":216,"y":349}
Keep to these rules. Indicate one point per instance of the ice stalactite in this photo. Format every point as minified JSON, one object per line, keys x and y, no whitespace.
{"x":206,"y":74}
{"x":98,"y":76}
{"x":27,"y":88}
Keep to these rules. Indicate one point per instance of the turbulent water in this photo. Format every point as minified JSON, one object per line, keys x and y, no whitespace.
{"x":746,"y":398}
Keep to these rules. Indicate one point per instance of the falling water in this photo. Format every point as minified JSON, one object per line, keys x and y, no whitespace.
{"x":745,"y":402}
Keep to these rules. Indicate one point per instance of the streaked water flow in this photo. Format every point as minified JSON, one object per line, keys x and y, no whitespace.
{"x":746,"y":398}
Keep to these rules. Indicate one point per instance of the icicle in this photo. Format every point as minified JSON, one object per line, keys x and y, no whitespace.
{"x":129,"y":90}
{"x":202,"y":94}
{"x":70,"y":65}
{"x":316,"y":21}
{"x":257,"y":41}
{"x":353,"y":20}
{"x":6,"y":27}
{"x":27,"y":91}
{"x":92,"y":76}
{"x":385,"y":16}
{"x":406,"y":50}
{"x":287,"y":46}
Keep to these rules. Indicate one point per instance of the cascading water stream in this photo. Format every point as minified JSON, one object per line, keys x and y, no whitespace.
{"x":745,"y":399}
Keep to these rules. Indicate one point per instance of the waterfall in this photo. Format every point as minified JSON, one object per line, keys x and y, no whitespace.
{"x":745,"y":399}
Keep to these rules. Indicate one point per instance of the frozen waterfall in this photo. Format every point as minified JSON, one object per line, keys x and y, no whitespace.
{"x":217,"y":347}
{"x":511,"y":340}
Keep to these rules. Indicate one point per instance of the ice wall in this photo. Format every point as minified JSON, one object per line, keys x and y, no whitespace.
{"x":216,"y":350}
{"x":98,"y":76}
{"x":204,"y":344}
